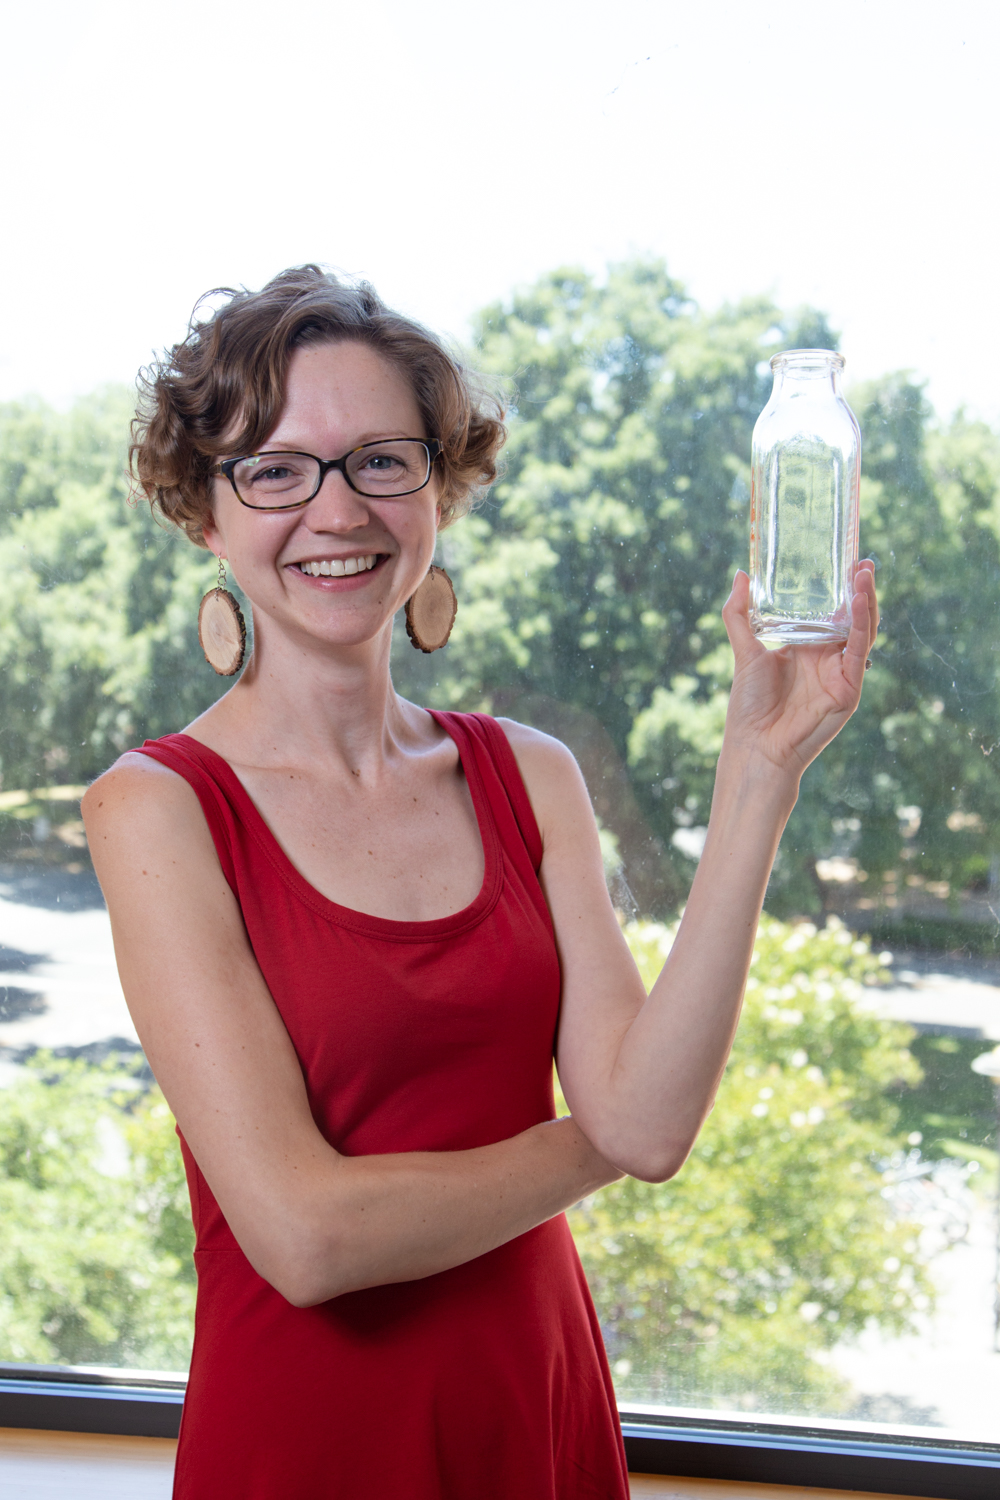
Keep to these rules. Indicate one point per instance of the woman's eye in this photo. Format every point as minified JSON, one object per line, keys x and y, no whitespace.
{"x":274,"y":474}
{"x":382,"y":463}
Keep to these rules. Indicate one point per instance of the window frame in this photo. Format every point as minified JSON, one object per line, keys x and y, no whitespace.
{"x":761,"y":1448}
{"x":138,"y":1403}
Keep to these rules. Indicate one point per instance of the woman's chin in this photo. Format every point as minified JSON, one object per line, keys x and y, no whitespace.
{"x":353,"y":631}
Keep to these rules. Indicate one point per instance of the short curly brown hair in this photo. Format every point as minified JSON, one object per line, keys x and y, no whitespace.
{"x":232,"y":367}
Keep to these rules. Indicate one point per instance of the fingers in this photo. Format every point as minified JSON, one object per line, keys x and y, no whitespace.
{"x":864,"y":582}
{"x":864,"y":621}
{"x":736,"y":617}
{"x":860,"y":640}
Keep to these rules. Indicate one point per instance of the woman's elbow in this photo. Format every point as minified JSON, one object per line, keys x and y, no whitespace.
{"x":301,"y":1292}
{"x":648,"y":1161}
{"x":307,"y":1285}
{"x":300,"y":1263}
{"x":658,"y":1167}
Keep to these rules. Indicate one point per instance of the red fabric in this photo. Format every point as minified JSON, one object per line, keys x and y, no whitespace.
{"x":485,"y":1382}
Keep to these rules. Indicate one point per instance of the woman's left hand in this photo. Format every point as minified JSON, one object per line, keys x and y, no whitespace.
{"x":786,"y":705}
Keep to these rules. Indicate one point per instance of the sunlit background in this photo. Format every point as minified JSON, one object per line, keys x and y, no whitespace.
{"x":842,"y":155}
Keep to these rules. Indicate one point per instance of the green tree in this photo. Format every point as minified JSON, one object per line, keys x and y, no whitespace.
{"x":591,"y":583}
{"x":728,"y":1285}
{"x":95,"y":1256}
{"x":98,"y":617}
{"x":590,"y":577}
{"x":931,"y":502}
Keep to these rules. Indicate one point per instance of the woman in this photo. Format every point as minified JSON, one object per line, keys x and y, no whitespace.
{"x":347,"y":929}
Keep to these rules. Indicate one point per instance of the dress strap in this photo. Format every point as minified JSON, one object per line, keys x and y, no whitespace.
{"x":510,"y":774}
{"x":490,"y":738}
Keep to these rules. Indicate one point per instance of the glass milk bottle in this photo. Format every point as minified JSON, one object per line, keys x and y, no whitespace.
{"x":805,"y":477}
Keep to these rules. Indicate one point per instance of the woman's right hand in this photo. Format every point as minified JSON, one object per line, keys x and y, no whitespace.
{"x":312,"y":1222}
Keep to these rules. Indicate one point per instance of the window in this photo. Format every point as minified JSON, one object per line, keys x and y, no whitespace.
{"x":829,"y":1254}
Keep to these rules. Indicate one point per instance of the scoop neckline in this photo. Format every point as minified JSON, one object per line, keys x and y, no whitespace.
{"x":391,"y":928}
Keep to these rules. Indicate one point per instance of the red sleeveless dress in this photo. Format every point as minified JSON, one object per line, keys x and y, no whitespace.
{"x":485,"y":1382}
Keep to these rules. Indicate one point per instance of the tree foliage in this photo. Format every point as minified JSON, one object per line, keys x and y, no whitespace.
{"x":727,"y":1285}
{"x":95,"y":1256}
{"x":98,"y":617}
{"x":591,"y":583}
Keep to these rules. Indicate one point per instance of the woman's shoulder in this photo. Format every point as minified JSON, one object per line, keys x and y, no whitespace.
{"x":149,"y":838}
{"x":550,"y":773}
{"x":543,"y":752}
{"x":133,"y":768}
{"x":137,"y":785}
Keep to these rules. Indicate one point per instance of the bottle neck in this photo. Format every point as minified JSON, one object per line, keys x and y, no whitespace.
{"x":809,"y":380}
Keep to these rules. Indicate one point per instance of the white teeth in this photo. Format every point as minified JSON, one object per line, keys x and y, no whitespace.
{"x":337,"y":567}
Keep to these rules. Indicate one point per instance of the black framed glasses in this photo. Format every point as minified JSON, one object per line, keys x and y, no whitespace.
{"x":284,"y":481}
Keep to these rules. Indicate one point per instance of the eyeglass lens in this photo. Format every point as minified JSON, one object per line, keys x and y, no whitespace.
{"x":391,"y":468}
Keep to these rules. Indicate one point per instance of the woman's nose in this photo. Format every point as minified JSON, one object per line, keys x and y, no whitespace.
{"x":335,"y":506}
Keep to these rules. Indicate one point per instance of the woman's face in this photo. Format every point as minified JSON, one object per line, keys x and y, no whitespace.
{"x":338,"y":396}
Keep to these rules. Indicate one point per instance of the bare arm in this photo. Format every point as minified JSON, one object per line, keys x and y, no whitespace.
{"x":312,"y":1222}
{"x":641,"y":1074}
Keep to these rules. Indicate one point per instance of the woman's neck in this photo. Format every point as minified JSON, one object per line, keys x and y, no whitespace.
{"x":329,"y":707}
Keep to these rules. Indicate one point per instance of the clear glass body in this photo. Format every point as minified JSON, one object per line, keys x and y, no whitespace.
{"x":805,"y":477}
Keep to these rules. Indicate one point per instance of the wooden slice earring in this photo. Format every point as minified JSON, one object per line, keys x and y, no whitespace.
{"x":222,"y":629}
{"x":431,"y":611}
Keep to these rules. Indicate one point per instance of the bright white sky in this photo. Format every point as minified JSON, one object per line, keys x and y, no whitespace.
{"x":844,"y":154}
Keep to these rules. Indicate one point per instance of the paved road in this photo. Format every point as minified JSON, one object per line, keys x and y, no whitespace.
{"x":59,"y":986}
{"x":948,"y":1374}
{"x":58,"y":981}
{"x":935,"y":990}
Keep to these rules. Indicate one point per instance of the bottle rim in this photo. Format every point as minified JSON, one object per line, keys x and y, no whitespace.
{"x":805,"y":358}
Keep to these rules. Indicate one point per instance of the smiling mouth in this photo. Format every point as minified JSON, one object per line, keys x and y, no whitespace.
{"x":339,"y":567}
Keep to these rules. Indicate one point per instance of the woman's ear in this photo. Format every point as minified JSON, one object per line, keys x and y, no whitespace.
{"x":212,"y":539}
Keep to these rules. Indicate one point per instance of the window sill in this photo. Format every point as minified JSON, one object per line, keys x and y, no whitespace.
{"x":790,"y":1452}
{"x":141,"y":1404}
{"x":85,"y":1466}
{"x":92,"y":1467}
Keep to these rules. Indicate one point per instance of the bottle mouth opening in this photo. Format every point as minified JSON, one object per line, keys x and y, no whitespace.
{"x":807,"y":359}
